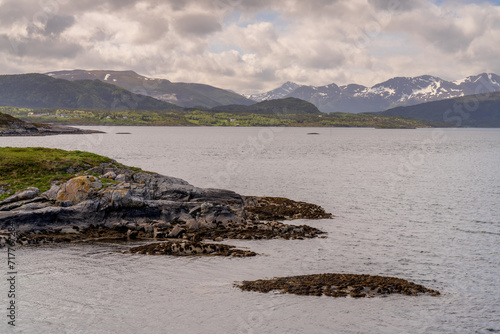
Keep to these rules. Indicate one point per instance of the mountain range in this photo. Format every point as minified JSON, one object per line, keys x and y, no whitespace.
{"x":426,"y":97}
{"x":179,"y":93}
{"x":398,"y":91}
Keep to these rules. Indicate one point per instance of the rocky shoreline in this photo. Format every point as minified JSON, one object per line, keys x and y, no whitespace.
{"x":338,"y":285}
{"x":45,"y":130}
{"x":11,"y":126}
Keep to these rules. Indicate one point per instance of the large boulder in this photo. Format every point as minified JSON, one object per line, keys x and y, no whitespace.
{"x":78,"y":189}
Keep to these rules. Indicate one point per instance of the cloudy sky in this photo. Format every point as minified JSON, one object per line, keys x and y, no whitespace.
{"x":253,"y":45}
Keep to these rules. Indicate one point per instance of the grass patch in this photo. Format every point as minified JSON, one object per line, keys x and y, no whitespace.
{"x":39,"y":167}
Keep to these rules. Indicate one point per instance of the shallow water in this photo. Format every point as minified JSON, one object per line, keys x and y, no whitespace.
{"x":417,"y":204}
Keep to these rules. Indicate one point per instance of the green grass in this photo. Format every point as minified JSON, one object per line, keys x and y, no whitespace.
{"x":38,"y":167}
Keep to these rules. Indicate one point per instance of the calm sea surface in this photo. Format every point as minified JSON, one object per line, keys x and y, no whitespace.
{"x":423,"y":205}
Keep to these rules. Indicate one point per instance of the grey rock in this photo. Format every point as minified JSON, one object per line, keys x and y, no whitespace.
{"x":33,"y":206}
{"x":51,"y":194}
{"x":131,"y":226}
{"x":176,"y":231}
{"x":192,"y":224}
{"x":148,"y":228}
{"x":121,"y":178}
{"x":161,"y":224}
{"x":69,"y":230}
{"x":110,"y":175}
{"x":28,"y":193}
{"x":10,"y":207}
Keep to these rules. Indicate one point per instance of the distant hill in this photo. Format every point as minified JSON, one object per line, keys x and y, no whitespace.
{"x":182,"y":94}
{"x":475,"y":110}
{"x":398,"y":91}
{"x":42,"y":91}
{"x":289,"y":106}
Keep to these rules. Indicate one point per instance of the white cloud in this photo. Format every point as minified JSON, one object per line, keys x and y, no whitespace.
{"x":253,"y":45}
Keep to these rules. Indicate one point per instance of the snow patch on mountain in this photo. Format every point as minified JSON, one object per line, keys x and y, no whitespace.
{"x":380,"y":90}
{"x":277,"y":93}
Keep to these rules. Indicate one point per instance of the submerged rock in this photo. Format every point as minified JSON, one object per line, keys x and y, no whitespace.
{"x":276,"y":208}
{"x":259,"y":230}
{"x":338,"y":285}
{"x":184,"y":248}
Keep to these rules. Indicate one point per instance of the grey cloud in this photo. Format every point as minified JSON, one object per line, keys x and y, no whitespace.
{"x":57,"y":24}
{"x":178,"y":5}
{"x":267,"y":74}
{"x":41,"y":48}
{"x":13,"y":11}
{"x":396,"y":5}
{"x":7,"y":44}
{"x":197,"y":24}
{"x":100,"y":35}
{"x":449,"y":39}
{"x":115,"y":5}
{"x":253,"y":4}
{"x":153,"y":29}
{"x":324,"y":58}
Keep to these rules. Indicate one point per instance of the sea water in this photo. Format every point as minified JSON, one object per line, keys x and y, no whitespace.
{"x":422,"y":205}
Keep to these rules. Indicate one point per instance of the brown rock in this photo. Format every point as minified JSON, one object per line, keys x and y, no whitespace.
{"x":338,"y":285}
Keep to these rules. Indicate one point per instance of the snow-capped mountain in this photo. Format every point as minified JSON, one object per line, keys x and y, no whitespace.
{"x":399,"y":91}
{"x":274,"y":94}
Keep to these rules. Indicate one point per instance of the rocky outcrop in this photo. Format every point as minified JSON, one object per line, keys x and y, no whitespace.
{"x":338,"y":285}
{"x":114,"y":202}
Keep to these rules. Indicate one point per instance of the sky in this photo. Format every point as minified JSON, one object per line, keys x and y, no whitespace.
{"x":250,"y":46}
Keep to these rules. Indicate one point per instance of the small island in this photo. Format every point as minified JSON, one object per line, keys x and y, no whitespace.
{"x":338,"y":285}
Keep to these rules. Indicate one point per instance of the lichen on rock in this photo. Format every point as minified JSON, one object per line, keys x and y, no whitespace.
{"x":78,"y":189}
